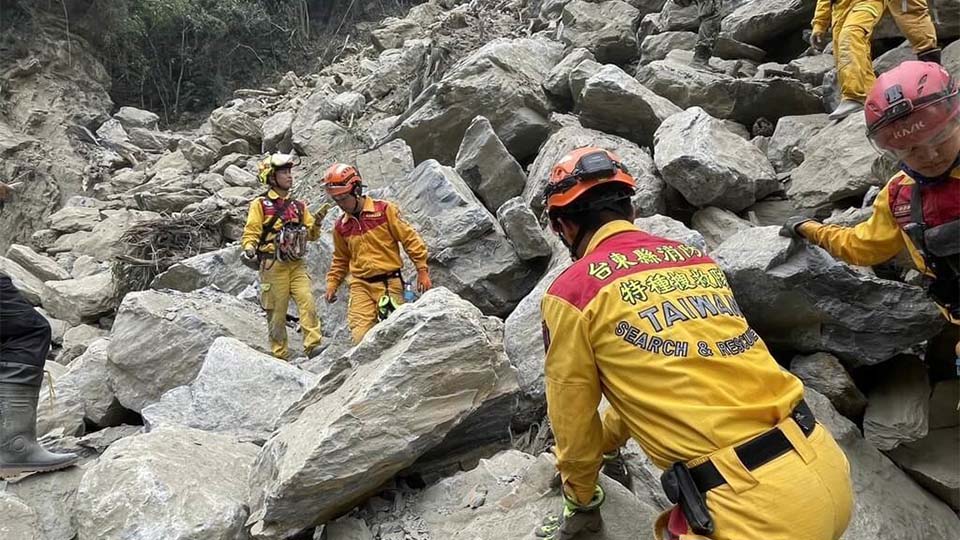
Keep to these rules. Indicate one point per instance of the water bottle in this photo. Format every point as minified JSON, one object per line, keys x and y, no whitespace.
{"x":408,"y":294}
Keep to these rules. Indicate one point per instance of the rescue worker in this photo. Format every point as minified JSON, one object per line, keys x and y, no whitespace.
{"x":913,"y":116}
{"x":710,"y":16}
{"x":853,"y":22}
{"x":365,"y":245}
{"x":274,"y":239}
{"x":24,"y":344}
{"x":652,"y":325}
{"x":913,"y":19}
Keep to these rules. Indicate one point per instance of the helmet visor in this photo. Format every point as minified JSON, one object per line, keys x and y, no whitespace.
{"x":920,"y":132}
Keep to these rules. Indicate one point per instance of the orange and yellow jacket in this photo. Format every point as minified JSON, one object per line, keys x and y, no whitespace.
{"x":366,"y":245}
{"x":652,"y":325}
{"x":882,"y":237}
{"x":261,"y":212}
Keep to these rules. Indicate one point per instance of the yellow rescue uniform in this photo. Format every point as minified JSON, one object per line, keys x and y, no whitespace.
{"x":853,"y":22}
{"x":913,"y":19}
{"x":281,"y":280}
{"x":653,"y":326}
{"x":367,"y":247}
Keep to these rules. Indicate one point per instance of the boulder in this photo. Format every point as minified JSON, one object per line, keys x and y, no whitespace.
{"x":644,"y":476}
{"x":199,"y":156}
{"x":614,"y":102}
{"x":86,"y":383}
{"x":395,"y":69}
{"x":328,"y":141}
{"x":943,"y":404}
{"x":230,"y":123}
{"x":792,"y":136}
{"x":898,"y":405}
{"x":345,"y":528}
{"x":72,"y":219}
{"x":113,"y":136}
{"x":40,"y":266}
{"x":842,"y":148}
{"x":131,"y":117}
{"x":811,"y":69}
{"x":743,"y":100}
{"x":58,"y":414}
{"x":103,"y":242}
{"x":469,"y":251}
{"x":579,"y":76}
{"x":797,"y":295}
{"x":523,"y":229}
{"x":179,"y":328}
{"x":650,"y":188}
{"x":175,"y":161}
{"x":319,"y":106}
{"x":173,"y":483}
{"x":758,"y":22}
{"x":235,"y":176}
{"x":350,"y":105}
{"x":384,"y":164}
{"x":236,"y":146}
{"x":487,"y":167}
{"x":887,"y":503}
{"x":418,"y":375}
{"x":221,"y":269}
{"x":17,"y":520}
{"x":658,"y":46}
{"x":502,"y":80}
{"x":717,"y":225}
{"x":240,"y":160}
{"x":239,"y":392}
{"x":151,"y":140}
{"x":278,"y":133}
{"x":52,"y":497}
{"x":394,"y":32}
{"x":607,"y":29}
{"x":557,"y":82}
{"x":76,"y":340}
{"x":700,"y":157}
{"x":80,"y":300}
{"x":29,"y":285}
{"x":934,"y":463}
{"x":824,"y":373}
{"x":671,"y":229}
{"x":57,"y":327}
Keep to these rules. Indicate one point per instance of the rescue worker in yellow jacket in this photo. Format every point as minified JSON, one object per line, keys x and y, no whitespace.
{"x":365,"y":245}
{"x":913,"y":19}
{"x":652,"y":325}
{"x":275,"y":240}
{"x":913,"y":115}
{"x":853,"y":22}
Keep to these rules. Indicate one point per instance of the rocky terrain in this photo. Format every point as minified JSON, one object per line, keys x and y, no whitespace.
{"x":433,"y":427}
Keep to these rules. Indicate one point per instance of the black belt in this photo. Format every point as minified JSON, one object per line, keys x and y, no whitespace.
{"x":757,"y":451}
{"x":382,"y":278}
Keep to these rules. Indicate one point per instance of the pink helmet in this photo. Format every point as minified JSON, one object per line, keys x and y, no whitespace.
{"x":911,"y":105}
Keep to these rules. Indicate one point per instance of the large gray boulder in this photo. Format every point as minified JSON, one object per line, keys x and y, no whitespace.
{"x":30,"y":286}
{"x":42,"y":267}
{"x":650,"y":188}
{"x":199,"y":156}
{"x":934,"y":463}
{"x":579,"y":75}
{"x":811,"y":69}
{"x":742,"y":100}
{"x":614,"y":102}
{"x":73,"y":218}
{"x":231,"y":123}
{"x":52,"y":497}
{"x":487,"y":167}
{"x":659,"y":46}
{"x":17,"y":520}
{"x":132,"y":117}
{"x":319,"y":106}
{"x":76,"y":340}
{"x":80,"y":300}
{"x":557,"y":82}
{"x":757,"y":22}
{"x":278,"y":132}
{"x":221,"y":268}
{"x":103,"y":242}
{"x":239,"y":391}
{"x":502,"y":81}
{"x":887,"y":503}
{"x":469,"y":251}
{"x":671,"y":229}
{"x":173,"y":483}
{"x":418,"y":375}
{"x":395,"y":69}
{"x":607,"y":29}
{"x":717,"y":225}
{"x":86,"y":383}
{"x":523,"y":229}
{"x":60,"y":415}
{"x":384,"y":164}
{"x":824,"y":373}
{"x":328,"y":141}
{"x":160,"y":338}
{"x":797,"y":295}
{"x":786,"y":149}
{"x":898,"y":408}
{"x":696,"y":154}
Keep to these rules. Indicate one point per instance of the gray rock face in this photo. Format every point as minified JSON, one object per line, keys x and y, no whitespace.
{"x":86,"y":384}
{"x":394,"y":32}
{"x":173,"y":483}
{"x":743,"y":100}
{"x":238,"y":392}
{"x":798,"y":295}
{"x":230,"y":123}
{"x":52,"y":497}
{"x":178,"y":329}
{"x":103,"y":243}
{"x":487,"y":167}
{"x":934,"y":463}
{"x":502,"y":81}
{"x":40,"y":266}
{"x":898,"y":406}
{"x":382,"y":165}
{"x":328,"y":141}
{"x":60,"y":415}
{"x":199,"y":156}
{"x":843,"y":149}
{"x":607,"y":29}
{"x":72,"y":219}
{"x":29,"y":285}
{"x":657,"y":46}
{"x":557,"y":82}
{"x":614,"y":102}
{"x":671,"y":229}
{"x":650,"y":188}
{"x":523,"y":229}
{"x":424,"y":370}
{"x":19,"y":520}
{"x":80,"y":300}
{"x":887,"y":503}
{"x":76,"y":340}
{"x":469,"y":251}
{"x":131,"y":117}
{"x":717,"y":225}
{"x":943,"y":404}
{"x":811,"y":69}
{"x":278,"y":133}
{"x":579,"y":75}
{"x":824,"y":373}
{"x":951,"y":57}
{"x":708,"y":165}
{"x":786,"y":149}
{"x":151,"y":140}
{"x":220,"y":268}
{"x":758,"y":21}
{"x":395,"y":68}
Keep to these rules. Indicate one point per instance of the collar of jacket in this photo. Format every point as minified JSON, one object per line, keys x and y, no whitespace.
{"x":608,"y":230}
{"x":274,"y":195}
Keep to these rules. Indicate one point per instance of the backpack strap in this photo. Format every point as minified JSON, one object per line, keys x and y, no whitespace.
{"x":268,"y":226}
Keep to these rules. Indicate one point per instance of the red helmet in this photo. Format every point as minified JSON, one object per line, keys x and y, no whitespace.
{"x":914,"y":104}
{"x":582,"y":170}
{"x":341,"y":179}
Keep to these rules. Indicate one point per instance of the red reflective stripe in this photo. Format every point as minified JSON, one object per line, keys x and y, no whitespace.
{"x":349,"y":226}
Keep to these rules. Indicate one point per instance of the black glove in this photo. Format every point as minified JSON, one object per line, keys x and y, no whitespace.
{"x":791,"y":227}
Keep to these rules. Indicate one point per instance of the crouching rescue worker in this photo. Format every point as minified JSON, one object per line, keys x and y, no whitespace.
{"x":652,"y":325}
{"x":913,"y":116}
{"x":275,"y":241}
{"x":365,"y":245}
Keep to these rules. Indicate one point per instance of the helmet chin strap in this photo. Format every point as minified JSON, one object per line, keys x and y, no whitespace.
{"x":930,"y":180}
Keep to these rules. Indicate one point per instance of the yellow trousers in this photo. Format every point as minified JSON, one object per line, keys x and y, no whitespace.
{"x":362,"y":304}
{"x":280,"y":280}
{"x":913,"y":19}
{"x":852,"y":30}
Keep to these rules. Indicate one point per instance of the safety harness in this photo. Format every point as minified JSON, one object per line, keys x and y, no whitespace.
{"x":940,"y":248}
{"x":290,"y":242}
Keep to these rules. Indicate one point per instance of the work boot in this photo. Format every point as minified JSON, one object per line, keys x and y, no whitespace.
{"x":846,"y":108}
{"x":932,"y":55}
{"x":19,"y":451}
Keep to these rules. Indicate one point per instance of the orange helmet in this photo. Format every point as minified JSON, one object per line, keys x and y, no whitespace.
{"x":341,"y":179}
{"x":582,"y":170}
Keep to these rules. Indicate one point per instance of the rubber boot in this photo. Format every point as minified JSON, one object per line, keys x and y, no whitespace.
{"x":932,"y":55}
{"x":19,"y":451}
{"x":701,"y":59}
{"x":846,"y":108}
